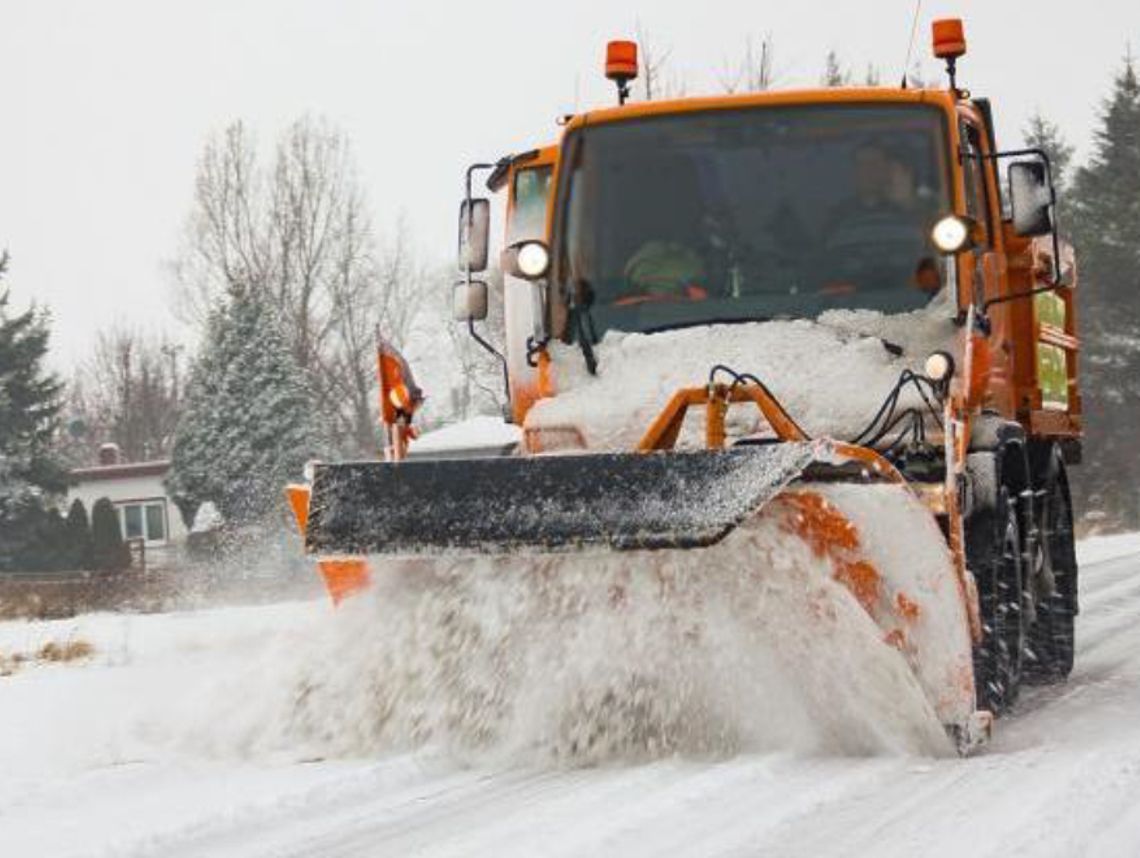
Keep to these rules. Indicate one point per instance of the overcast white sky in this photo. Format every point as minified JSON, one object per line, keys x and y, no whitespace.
{"x":105,"y":104}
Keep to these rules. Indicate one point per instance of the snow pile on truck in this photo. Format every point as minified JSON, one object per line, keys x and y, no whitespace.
{"x":830,"y":375}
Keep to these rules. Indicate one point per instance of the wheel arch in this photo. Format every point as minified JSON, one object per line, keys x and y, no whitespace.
{"x":998,"y":456}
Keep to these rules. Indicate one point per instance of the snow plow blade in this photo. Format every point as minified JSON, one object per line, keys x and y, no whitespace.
{"x":618,"y":501}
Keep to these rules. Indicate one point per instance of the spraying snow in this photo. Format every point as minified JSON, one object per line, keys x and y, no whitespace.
{"x":598,"y":658}
{"x":556,"y":662}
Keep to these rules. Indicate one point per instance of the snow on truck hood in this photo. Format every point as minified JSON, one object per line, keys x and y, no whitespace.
{"x":830,"y":374}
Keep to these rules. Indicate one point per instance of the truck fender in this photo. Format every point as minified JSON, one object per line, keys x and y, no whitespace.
{"x":997,"y":456}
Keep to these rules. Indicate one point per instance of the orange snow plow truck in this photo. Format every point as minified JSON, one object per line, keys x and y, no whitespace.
{"x":840,"y":320}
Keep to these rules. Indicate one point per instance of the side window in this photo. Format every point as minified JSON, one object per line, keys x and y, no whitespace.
{"x":146,"y":521}
{"x":973,"y":169}
{"x":132,"y":522}
{"x":531,"y":191}
{"x":156,"y":522}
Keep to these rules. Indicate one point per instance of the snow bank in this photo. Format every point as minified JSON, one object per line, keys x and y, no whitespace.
{"x":831,"y":374}
{"x":155,"y":684}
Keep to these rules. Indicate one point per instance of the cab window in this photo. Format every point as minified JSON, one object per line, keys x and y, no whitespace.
{"x":973,"y":167}
{"x":530,"y":190}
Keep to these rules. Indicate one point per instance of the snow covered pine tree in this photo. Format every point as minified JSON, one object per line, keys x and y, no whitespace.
{"x":1105,"y":221}
{"x":29,"y":413}
{"x":248,"y":425}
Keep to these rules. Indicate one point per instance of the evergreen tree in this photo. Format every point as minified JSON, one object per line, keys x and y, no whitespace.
{"x":108,"y":551}
{"x":1105,"y":224}
{"x":1041,"y":133}
{"x":248,"y":425}
{"x":77,"y":537}
{"x":50,"y":554}
{"x":29,"y":414}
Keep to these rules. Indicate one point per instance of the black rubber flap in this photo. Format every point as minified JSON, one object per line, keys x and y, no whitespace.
{"x":618,"y":501}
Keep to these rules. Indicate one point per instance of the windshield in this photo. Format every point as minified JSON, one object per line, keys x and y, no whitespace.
{"x":754,"y":214}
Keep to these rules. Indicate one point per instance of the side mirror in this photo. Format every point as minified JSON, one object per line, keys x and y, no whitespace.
{"x":1031,"y":198}
{"x":469,"y":301}
{"x":474,"y":234}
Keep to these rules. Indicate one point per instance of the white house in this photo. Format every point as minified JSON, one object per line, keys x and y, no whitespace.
{"x":135,"y":489}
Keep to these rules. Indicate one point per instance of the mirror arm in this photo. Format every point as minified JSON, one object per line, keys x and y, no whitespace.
{"x":1002,"y":299}
{"x":490,"y":349}
{"x":470,"y":207}
{"x":467,"y":181}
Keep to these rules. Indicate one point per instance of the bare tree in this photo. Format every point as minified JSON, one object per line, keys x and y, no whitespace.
{"x":227,"y":243}
{"x":128,"y":393}
{"x":301,"y":232}
{"x":658,"y":80}
{"x":834,"y":74}
{"x":381,"y":291}
{"x":462,"y":378}
{"x":753,"y":73}
{"x":317,"y":227}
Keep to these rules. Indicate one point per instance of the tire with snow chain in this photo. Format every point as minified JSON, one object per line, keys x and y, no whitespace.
{"x":993,"y":551}
{"x":1051,"y":639}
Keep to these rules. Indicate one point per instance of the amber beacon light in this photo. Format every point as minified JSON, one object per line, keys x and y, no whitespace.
{"x":949,"y":45}
{"x":621,"y":65}
{"x":949,"y":39}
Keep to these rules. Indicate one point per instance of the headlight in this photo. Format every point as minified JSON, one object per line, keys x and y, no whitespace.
{"x":951,"y":234}
{"x":533,"y":259}
{"x":939,"y":367}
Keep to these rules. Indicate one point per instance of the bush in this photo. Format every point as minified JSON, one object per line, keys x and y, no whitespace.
{"x":77,"y":538}
{"x":109,"y":552}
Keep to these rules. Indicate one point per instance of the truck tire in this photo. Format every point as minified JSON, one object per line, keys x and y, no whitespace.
{"x":1052,"y":637}
{"x":993,"y":553}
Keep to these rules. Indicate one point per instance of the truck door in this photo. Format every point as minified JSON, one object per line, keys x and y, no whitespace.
{"x":987,"y":269}
{"x":528,"y":201}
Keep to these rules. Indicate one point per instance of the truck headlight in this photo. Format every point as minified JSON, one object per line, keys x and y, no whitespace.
{"x":939,"y":367}
{"x":952,"y":234}
{"x":533,"y":259}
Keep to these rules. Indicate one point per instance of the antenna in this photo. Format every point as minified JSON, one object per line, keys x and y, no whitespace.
{"x":910,"y":46}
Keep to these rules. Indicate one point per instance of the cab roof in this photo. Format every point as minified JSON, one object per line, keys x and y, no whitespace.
{"x":845,"y":95}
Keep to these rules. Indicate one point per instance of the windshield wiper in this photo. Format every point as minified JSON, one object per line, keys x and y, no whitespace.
{"x":582,"y":318}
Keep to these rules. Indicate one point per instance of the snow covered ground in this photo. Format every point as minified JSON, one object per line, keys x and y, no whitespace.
{"x":175,"y":738}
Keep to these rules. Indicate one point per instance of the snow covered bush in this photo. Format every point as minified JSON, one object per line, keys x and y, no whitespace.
{"x":248,"y":426}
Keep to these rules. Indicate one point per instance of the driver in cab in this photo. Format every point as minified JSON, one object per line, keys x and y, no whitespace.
{"x":885,"y":212}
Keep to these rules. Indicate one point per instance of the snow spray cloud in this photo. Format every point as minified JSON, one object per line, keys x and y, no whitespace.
{"x":585,"y":659}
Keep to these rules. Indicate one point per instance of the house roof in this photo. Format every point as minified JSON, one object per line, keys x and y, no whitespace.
{"x":99,"y":473}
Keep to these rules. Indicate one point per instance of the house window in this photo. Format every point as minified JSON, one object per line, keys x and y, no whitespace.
{"x":144,"y":520}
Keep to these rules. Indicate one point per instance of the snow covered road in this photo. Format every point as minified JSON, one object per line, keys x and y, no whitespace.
{"x":1061,"y":777}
